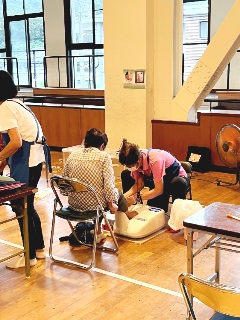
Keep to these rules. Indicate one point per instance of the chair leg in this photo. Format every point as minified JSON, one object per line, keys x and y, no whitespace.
{"x":52,"y":230}
{"x":94,"y":246}
{"x":112,"y":235}
{"x":190,"y":193}
{"x":70,"y":262}
{"x":190,"y":312}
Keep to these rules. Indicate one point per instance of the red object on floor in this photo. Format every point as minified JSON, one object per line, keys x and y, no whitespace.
{"x":174,"y":231}
{"x":105,"y":227}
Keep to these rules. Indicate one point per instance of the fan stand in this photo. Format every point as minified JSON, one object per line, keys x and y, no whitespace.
{"x":237,"y":168}
{"x":230,"y":183}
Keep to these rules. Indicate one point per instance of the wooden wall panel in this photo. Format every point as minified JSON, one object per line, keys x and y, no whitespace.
{"x":177,"y":136}
{"x":61,"y":126}
{"x":36,"y":111}
{"x":92,"y":118}
{"x":66,"y":127}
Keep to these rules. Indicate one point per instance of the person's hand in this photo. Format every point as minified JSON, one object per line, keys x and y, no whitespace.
{"x":113,"y":207}
{"x":3,"y":164}
{"x":131,"y":200}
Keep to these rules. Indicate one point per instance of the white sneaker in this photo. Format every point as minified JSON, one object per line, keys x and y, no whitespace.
{"x":19,"y":262}
{"x":40,"y":255}
{"x":100,"y":237}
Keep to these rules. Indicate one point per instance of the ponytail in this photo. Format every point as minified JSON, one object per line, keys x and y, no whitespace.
{"x":129,"y":153}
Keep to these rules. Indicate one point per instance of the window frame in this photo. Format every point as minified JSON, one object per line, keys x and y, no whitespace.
{"x":204,"y":40}
{"x":70,"y":46}
{"x":200,"y":29}
{"x":23,"y":17}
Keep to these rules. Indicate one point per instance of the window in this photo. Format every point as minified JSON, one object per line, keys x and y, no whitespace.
{"x":25,"y":45}
{"x":195,"y":33}
{"x":203,"y":30}
{"x":2,"y":35}
{"x":3,"y":65}
{"x":84,"y":34}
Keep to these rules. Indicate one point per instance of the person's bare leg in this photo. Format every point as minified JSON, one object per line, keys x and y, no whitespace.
{"x":99,"y":229}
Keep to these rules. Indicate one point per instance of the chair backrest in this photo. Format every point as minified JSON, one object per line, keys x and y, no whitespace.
{"x":67,"y":185}
{"x":221,"y":298}
{"x":187,"y":167}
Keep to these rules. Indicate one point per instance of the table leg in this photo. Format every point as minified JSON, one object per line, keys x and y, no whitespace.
{"x":190,"y":261}
{"x":189,"y":250}
{"x":217,"y":260}
{"x":26,"y":237}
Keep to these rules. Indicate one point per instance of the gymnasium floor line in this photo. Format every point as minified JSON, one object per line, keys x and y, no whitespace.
{"x":118,"y":276}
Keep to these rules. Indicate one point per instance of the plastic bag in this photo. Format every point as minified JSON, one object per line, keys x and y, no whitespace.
{"x":182,"y":209}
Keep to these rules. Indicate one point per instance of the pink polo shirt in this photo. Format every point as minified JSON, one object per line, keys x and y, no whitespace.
{"x":159,"y":160}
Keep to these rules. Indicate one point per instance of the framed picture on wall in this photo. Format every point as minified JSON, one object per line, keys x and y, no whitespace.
{"x":134,"y":78}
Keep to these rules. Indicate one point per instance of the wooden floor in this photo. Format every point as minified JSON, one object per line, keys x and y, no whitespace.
{"x":140,"y":282}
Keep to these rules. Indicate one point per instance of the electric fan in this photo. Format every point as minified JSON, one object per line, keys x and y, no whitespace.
{"x":228,"y":148}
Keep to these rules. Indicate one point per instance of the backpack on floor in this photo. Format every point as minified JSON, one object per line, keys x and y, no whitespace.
{"x":83,"y":232}
{"x":200,"y":158}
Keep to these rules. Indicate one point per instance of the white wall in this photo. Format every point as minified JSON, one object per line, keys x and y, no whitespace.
{"x":55,"y":38}
{"x":219,"y":10}
{"x":139,"y":34}
{"x":124,"y":48}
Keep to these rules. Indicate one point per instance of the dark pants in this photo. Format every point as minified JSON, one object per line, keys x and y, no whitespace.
{"x":34,"y":223}
{"x":122,"y":202}
{"x":175,"y":186}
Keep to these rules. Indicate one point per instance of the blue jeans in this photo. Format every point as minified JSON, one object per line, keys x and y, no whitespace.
{"x":34,"y":223}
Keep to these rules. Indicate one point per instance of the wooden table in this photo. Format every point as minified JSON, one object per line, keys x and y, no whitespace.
{"x":224,"y":232}
{"x":23,"y":192}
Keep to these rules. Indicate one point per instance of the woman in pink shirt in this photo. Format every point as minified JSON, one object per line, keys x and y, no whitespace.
{"x":157,"y":169}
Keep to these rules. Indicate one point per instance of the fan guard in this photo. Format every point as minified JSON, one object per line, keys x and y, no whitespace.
{"x":228,"y":148}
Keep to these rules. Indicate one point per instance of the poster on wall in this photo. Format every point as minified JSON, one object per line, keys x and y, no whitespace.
{"x":134,"y":78}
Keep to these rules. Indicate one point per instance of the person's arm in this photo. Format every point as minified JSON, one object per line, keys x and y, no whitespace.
{"x":3,"y":164}
{"x":111,"y":193}
{"x":112,"y":207}
{"x":146,"y":195}
{"x":131,"y":191}
{"x":14,"y":144}
{"x":157,"y":166}
{"x":139,"y":184}
{"x":130,"y":195}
